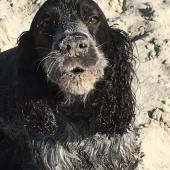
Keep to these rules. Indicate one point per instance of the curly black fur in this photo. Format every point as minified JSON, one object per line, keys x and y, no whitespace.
{"x":39,"y":130}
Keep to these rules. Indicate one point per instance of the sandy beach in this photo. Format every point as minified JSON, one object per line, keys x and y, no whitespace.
{"x":148,"y":23}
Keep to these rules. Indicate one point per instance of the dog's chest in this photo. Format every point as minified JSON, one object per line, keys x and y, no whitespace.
{"x":73,"y":148}
{"x":89,"y":154}
{"x":97,"y":152}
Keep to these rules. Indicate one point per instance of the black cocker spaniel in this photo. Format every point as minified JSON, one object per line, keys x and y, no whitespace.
{"x":65,"y":93}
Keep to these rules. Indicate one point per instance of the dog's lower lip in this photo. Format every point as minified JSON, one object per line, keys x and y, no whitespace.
{"x":77,"y":70}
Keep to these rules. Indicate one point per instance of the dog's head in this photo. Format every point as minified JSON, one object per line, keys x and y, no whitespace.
{"x":71,"y":45}
{"x":69,"y":37}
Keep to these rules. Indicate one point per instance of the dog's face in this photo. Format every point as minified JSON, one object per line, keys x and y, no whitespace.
{"x":69,"y":36}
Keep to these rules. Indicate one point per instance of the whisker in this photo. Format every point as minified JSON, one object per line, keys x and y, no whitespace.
{"x":50,"y":68}
{"x":43,"y":59}
{"x":36,"y":61}
{"x":54,"y":52}
{"x":103,"y":44}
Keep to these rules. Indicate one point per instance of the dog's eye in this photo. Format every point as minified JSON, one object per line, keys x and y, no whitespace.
{"x":93,"y":20}
{"x":45,"y":22}
{"x":48,"y":25}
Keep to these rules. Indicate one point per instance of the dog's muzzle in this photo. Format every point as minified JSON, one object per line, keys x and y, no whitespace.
{"x":76,"y":63}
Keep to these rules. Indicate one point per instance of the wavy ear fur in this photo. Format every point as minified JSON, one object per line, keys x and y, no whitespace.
{"x":117,"y":104}
{"x":27,"y":54}
{"x":25,"y":42}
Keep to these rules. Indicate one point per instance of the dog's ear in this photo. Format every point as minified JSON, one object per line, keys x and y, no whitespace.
{"x":24,"y":41}
{"x":118,"y":100}
{"x":25,"y":49}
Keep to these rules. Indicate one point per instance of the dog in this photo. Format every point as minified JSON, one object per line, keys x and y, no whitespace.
{"x":66,"y":101}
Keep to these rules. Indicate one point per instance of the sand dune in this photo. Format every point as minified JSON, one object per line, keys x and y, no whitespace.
{"x":147,"y":21}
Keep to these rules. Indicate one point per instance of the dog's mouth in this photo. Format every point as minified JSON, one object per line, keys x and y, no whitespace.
{"x":77,"y":70}
{"x":78,"y":81}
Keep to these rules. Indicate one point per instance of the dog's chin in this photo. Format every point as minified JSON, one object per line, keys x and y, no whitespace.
{"x":77,"y":84}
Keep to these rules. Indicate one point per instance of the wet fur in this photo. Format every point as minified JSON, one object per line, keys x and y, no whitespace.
{"x":42,"y":128}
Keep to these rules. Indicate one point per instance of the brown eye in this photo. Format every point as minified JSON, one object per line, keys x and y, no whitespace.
{"x":48,"y":26}
{"x":93,"y":20}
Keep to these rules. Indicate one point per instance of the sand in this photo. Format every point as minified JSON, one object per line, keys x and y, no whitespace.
{"x":147,"y":22}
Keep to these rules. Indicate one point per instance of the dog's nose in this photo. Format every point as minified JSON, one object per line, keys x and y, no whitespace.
{"x":75,"y":44}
